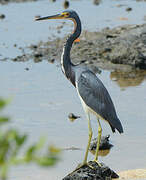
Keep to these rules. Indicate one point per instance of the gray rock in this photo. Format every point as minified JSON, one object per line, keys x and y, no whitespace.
{"x":95,"y":173}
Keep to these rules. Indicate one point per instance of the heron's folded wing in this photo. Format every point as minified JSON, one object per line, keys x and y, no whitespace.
{"x":95,"y":96}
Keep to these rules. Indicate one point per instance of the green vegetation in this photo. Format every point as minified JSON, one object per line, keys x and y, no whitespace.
{"x":12,"y":142}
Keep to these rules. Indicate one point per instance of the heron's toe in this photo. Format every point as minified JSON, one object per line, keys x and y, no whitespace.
{"x":85,"y":164}
{"x":99,"y":164}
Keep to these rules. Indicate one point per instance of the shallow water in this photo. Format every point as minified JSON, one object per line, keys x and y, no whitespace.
{"x":42,"y":98}
{"x":20,"y":28}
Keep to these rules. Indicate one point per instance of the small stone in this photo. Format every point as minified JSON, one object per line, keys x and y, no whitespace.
{"x":27,"y":69}
{"x":72,"y":117}
{"x":104,"y":143}
{"x":2,"y":16}
{"x":66,"y":4}
{"x":96,"y":2}
{"x":129,"y":9}
{"x":38,"y":55}
{"x":52,"y":61}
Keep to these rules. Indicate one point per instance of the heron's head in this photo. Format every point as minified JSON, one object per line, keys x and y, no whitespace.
{"x":68,"y":14}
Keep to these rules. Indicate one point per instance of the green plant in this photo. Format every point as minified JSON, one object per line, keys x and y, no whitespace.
{"x":11,"y":142}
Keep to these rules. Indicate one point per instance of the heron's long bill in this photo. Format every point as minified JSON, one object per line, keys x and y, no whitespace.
{"x":57,"y":16}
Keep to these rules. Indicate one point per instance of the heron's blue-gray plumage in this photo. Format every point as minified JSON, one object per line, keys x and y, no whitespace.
{"x":90,"y":88}
{"x":95,"y":96}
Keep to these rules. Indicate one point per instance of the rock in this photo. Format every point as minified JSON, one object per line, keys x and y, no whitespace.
{"x":104,"y":148}
{"x":96,"y":2}
{"x":2,"y":16}
{"x":95,"y":173}
{"x":27,"y":69}
{"x":129,"y":9}
{"x":72,"y":117}
{"x":104,"y":143}
{"x":66,"y":4}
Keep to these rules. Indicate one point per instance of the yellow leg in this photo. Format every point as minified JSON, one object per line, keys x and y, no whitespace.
{"x":89,"y":139}
{"x":98,"y":140}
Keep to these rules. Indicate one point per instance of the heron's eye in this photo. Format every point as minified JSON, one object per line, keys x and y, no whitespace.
{"x":67,"y":14}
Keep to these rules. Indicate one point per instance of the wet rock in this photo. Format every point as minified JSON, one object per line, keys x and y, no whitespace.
{"x":66,"y":4}
{"x":72,"y":117}
{"x":2,"y":16}
{"x":129,"y":9}
{"x":38,"y":55}
{"x":96,"y":2}
{"x":95,"y":173}
{"x":104,"y":143}
{"x":52,"y":60}
{"x":21,"y":58}
{"x":104,"y":148}
{"x":27,"y":69}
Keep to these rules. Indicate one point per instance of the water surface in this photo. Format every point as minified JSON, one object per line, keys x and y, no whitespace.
{"x":42,"y":97}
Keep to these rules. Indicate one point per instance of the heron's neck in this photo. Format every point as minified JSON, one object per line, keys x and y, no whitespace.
{"x":67,"y":65}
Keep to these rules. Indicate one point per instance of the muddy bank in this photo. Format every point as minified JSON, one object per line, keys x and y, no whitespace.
{"x":125,"y":45}
{"x":121,"y":49}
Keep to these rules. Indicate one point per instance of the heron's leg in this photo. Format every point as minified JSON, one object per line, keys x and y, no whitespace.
{"x":89,"y":139}
{"x":98,"y":140}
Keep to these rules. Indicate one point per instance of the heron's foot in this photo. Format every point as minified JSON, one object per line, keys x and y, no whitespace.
{"x":99,"y":164}
{"x":83,"y":165}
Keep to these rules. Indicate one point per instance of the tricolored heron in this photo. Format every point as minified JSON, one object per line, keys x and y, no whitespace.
{"x":92,"y":93}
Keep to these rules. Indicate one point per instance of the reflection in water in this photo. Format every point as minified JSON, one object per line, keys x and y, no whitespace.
{"x":126,"y":79}
{"x":105,"y":146}
{"x":101,"y":152}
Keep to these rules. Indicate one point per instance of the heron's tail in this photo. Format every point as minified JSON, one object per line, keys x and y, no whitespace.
{"x":117,"y":126}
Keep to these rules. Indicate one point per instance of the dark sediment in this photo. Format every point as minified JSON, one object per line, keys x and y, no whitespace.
{"x":124,"y":45}
{"x":95,"y":173}
{"x":108,"y":49}
{"x":121,"y":48}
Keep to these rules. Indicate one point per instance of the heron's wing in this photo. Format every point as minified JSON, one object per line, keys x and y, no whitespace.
{"x":95,"y":96}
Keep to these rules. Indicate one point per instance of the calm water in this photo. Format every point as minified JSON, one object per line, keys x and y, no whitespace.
{"x":42,"y":98}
